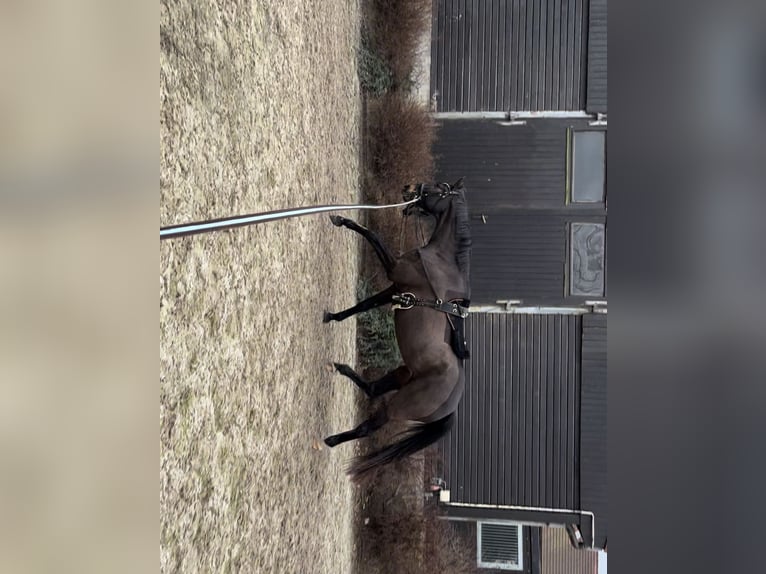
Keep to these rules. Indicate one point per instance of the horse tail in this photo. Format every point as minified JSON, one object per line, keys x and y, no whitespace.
{"x":413,"y":440}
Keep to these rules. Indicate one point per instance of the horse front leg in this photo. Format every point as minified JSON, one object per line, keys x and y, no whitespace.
{"x":384,"y":253}
{"x":365,"y":429}
{"x":376,"y":300}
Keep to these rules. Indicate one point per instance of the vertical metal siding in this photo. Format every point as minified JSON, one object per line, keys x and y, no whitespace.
{"x":506,"y":166}
{"x":516,"y":182}
{"x":558,"y":556}
{"x":501,"y":55}
{"x":597,"y":57}
{"x":520,"y":256}
{"x":517,"y":428}
{"x":593,"y":431}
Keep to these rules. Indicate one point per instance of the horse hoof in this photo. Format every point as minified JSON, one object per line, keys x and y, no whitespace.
{"x":337,"y":220}
{"x":342,"y":369}
{"x":331,"y":441}
{"x":327,"y":317}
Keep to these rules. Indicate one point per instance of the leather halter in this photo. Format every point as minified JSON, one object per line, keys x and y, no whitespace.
{"x":420,"y":193}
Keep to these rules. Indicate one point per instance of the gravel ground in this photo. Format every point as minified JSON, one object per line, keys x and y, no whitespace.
{"x":259,"y":109}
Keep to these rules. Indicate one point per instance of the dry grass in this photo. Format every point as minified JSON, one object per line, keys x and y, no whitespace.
{"x":396,"y":533}
{"x":415,"y":540}
{"x":400,"y":536}
{"x":396,"y":28}
{"x":445,"y":551}
{"x":260,"y":109}
{"x":401,"y":132}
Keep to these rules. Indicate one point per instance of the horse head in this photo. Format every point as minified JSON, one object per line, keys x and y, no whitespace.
{"x":433,"y":198}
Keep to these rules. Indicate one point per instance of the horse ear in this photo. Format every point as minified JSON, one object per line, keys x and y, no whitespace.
{"x":458,"y":184}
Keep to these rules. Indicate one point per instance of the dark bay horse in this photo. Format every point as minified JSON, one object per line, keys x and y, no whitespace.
{"x":431,"y":290}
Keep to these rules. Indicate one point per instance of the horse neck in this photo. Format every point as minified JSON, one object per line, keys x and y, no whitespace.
{"x":452,"y":240}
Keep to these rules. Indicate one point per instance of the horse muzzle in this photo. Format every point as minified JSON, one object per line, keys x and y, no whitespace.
{"x":410,"y":192}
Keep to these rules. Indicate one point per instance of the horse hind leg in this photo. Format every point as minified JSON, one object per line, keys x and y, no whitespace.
{"x":365,"y":429}
{"x":376,"y":300}
{"x":391,"y":381}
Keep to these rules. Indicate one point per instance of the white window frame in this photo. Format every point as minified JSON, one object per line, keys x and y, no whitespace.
{"x":570,"y":168}
{"x":501,"y":565}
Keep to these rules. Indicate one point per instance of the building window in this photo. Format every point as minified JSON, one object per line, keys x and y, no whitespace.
{"x":499,"y":546}
{"x":587,"y":167}
{"x":586,"y":259}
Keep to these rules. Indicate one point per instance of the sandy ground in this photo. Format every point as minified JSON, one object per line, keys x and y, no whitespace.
{"x":260,"y":109}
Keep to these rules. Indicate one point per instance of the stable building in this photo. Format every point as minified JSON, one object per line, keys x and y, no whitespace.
{"x":520,"y":95}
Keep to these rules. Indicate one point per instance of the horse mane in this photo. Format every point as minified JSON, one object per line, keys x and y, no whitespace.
{"x":462,"y":235}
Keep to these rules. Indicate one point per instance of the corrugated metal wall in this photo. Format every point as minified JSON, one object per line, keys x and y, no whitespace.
{"x":490,"y":55}
{"x":515,"y":178}
{"x":593,"y":457}
{"x":558,"y":556}
{"x":507,"y":167}
{"x":518,"y":256}
{"x":516,"y":437}
{"x":597,"y":57}
{"x":523,"y":256}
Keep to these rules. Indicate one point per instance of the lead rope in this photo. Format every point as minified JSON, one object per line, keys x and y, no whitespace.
{"x":184,"y":229}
